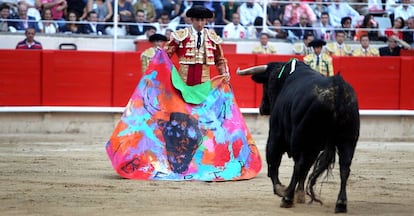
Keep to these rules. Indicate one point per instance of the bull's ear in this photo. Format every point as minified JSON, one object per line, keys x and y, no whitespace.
{"x":261,"y":78}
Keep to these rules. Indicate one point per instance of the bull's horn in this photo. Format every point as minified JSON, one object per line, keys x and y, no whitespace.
{"x":252,"y":70}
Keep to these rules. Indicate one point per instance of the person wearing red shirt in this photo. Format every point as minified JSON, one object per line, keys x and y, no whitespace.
{"x":29,"y":42}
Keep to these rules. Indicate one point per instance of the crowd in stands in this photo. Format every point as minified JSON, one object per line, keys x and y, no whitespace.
{"x":286,"y":20}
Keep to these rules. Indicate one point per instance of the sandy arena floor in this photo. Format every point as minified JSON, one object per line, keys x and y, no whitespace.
{"x":70,"y":174}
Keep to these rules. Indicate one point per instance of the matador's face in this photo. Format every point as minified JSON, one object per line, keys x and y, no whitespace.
{"x":199,"y":23}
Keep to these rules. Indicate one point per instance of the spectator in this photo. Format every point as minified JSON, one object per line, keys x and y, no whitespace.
{"x":264,"y":47}
{"x":371,"y":7}
{"x":32,"y":8}
{"x":25,"y":21}
{"x":301,"y":28}
{"x":339,"y":48}
{"x":72,"y":25}
{"x":12,"y":5}
{"x":390,"y":6}
{"x":156,"y":40}
{"x":103,"y":9}
{"x":319,"y":8}
{"x":249,"y":11}
{"x":274,"y":12}
{"x":234,"y":30}
{"x":408,"y":34}
{"x":148,"y":8}
{"x":303,"y":48}
{"x":168,"y":33}
{"x":92,"y":27}
{"x":29,"y":42}
{"x":294,"y":10}
{"x":5,"y":25}
{"x":228,"y":8}
{"x":139,"y":27}
{"x":365,"y":49}
{"x":159,"y":7}
{"x":369,"y":27}
{"x":79,"y":7}
{"x":256,"y":29}
{"x":47,"y":25}
{"x":184,"y":23}
{"x":168,"y":6}
{"x":392,"y":48}
{"x":126,"y":11}
{"x":213,"y":24}
{"x":318,"y":61}
{"x":280,"y":33}
{"x":182,"y":7}
{"x":149,"y":30}
{"x":397,"y":28}
{"x":120,"y":29}
{"x":57,"y":7}
{"x":164,"y":23}
{"x":404,"y":10}
{"x":322,"y":29}
{"x":346,"y":27}
{"x":337,"y":10}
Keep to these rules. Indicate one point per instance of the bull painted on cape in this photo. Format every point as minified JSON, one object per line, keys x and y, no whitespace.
{"x":311,"y":118}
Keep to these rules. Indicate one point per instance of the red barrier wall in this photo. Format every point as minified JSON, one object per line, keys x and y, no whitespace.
{"x":20,"y":78}
{"x":77,"y":78}
{"x":86,"y":78}
{"x":375,"y":80}
{"x":407,"y":83}
{"x":126,"y":74}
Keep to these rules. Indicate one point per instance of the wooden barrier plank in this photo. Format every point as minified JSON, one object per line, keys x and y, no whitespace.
{"x":77,"y":78}
{"x":127,"y":72}
{"x":407,"y":81}
{"x":244,"y":88}
{"x":375,"y":80}
{"x":20,"y":77}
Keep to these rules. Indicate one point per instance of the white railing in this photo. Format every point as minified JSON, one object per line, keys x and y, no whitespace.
{"x":81,"y":109}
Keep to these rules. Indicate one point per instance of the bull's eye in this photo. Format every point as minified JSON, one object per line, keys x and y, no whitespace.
{"x":174,"y":123}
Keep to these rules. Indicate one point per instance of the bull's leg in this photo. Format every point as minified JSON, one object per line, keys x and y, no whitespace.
{"x":287,"y":200}
{"x":273,"y":172}
{"x":274,"y":157}
{"x":346,"y":154}
{"x":300,"y":171}
{"x":307,"y":162}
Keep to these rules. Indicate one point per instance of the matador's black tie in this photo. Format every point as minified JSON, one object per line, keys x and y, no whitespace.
{"x":198,"y":40}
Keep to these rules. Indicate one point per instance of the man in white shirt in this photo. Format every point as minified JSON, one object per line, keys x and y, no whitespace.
{"x":322,"y":29}
{"x":404,"y":10}
{"x":249,"y":11}
{"x":234,"y":30}
{"x":337,"y":10}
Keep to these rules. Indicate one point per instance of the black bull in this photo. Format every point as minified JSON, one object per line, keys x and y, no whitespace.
{"x":311,"y":117}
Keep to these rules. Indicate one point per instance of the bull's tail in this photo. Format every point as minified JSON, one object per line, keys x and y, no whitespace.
{"x":326,"y":159}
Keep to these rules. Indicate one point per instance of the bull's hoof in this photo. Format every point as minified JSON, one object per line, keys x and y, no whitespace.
{"x":341,"y":207}
{"x":279,"y":190}
{"x":300,"y":196}
{"x":286,"y":203}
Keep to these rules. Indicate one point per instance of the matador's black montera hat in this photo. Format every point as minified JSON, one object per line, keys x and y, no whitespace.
{"x":317,"y":43}
{"x":199,"y":12}
{"x":157,"y":37}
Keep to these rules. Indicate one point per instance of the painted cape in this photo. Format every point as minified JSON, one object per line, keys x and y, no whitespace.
{"x":162,"y":137}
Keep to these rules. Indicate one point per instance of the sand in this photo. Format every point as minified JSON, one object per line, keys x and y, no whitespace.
{"x":70,"y":174}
